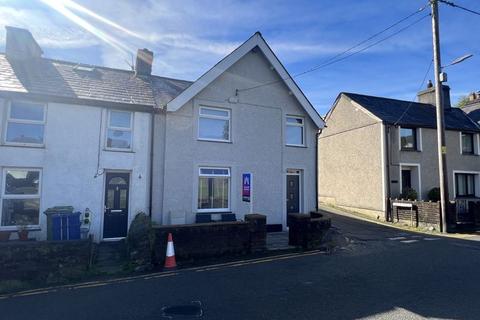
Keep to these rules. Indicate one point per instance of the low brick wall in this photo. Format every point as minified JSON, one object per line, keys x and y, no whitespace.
{"x":208,"y":240}
{"x":44,"y":261}
{"x":307,"y":230}
{"x":425,"y":213}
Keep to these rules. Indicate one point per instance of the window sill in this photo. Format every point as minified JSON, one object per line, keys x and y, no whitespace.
{"x":208,"y":211}
{"x":34,"y":146}
{"x":212,"y":140}
{"x":470,"y":154}
{"x":15,"y":229}
{"x":410,"y":150}
{"x":296,"y":145}
{"x":118,"y":150}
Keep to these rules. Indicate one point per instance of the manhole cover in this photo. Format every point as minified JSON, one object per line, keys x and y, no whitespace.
{"x":181,"y":311}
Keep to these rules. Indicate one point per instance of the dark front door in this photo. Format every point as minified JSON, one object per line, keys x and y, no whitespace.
{"x":115,"y":220}
{"x":293,"y":193}
{"x":406,"y":179}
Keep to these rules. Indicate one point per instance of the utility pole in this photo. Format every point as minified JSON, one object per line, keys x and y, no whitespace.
{"x":442,"y":148}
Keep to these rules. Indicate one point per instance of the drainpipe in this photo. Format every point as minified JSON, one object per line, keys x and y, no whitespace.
{"x":387,"y":164}
{"x":319,"y":132}
{"x":152,"y":139}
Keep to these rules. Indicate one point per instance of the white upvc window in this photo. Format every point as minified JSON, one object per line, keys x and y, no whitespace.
{"x":20,"y":197}
{"x":119,"y":130}
{"x":295,"y":131}
{"x":469,"y":143}
{"x":25,"y":125}
{"x":214,"y":124}
{"x":213,"y":189}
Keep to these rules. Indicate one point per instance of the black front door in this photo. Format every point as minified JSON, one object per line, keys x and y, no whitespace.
{"x":293,"y":193}
{"x":406,"y":179}
{"x":115,"y":221}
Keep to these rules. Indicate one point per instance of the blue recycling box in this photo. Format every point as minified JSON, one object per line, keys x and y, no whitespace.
{"x":63,"y":223}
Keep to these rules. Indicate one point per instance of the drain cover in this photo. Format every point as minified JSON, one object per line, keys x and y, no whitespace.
{"x":180,"y":311}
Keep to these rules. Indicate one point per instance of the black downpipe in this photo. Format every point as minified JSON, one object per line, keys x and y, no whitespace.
{"x":387,"y":164}
{"x":152,"y":139}
{"x":316,"y":168}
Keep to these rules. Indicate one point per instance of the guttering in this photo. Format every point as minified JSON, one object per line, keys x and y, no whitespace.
{"x":317,"y":180}
{"x":152,"y":144}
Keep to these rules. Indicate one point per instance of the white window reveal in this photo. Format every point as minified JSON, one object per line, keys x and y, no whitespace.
{"x":295,"y":133}
{"x":119,"y":130}
{"x":214,"y":124}
{"x":25,"y":123}
{"x":20,"y":197}
{"x":213,"y":189}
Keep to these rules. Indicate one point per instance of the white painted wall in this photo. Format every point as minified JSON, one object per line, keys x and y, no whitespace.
{"x":69,"y":161}
{"x":257,"y":146}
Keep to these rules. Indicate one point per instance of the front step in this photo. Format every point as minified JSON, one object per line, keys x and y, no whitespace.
{"x":111,"y":256}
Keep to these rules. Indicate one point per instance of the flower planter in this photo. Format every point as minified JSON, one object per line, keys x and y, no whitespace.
{"x":5,"y":235}
{"x":23,"y":235}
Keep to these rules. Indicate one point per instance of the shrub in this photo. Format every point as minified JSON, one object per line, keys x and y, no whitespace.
{"x":434,"y":194}
{"x":140,"y":241}
{"x":409,"y":194}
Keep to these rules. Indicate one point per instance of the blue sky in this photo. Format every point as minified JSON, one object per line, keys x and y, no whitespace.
{"x":189,"y":37}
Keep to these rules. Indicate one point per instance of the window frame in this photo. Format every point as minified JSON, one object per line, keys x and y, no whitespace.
{"x":466,"y":174}
{"x":4,"y":196}
{"x":472,"y":143}
{"x":229,"y":176}
{"x":302,"y":125}
{"x":415,"y":139}
{"x":130,"y":129}
{"x":9,"y":119}
{"x":209,"y":116}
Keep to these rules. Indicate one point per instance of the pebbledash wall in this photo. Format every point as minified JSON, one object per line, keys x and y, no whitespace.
{"x":257,"y":146}
{"x":74,"y":142}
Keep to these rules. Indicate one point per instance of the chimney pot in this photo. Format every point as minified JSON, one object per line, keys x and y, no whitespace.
{"x":144,"y":62}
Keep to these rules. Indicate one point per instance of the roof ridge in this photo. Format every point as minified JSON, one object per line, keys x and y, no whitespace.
{"x":104,"y":67}
{"x":385,"y":98}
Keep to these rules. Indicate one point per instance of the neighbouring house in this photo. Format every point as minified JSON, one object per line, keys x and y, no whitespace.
{"x":375,"y":148}
{"x":472,"y":107}
{"x":119,"y":142}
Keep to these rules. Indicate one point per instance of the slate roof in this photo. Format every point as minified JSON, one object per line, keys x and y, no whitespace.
{"x":418,"y":114}
{"x":62,"y":79}
{"x":473,"y":110}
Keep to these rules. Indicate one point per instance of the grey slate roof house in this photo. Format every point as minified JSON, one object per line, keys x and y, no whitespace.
{"x":114,"y":142}
{"x":374,"y":148}
{"x":472,"y":107}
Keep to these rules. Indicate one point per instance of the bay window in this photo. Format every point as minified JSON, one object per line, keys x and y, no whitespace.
{"x":20,"y":197}
{"x":213,"y":189}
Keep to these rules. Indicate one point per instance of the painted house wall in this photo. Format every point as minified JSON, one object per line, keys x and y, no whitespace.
{"x":257,"y":145}
{"x":428,"y":160}
{"x":69,"y":161}
{"x":351,"y":160}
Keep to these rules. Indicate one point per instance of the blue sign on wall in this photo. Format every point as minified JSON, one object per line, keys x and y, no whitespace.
{"x":246,"y":187}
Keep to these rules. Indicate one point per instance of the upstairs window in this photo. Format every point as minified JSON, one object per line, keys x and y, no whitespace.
{"x":213,"y":189}
{"x":25,"y":123}
{"x":408,"y":139}
{"x":295,"y":133}
{"x":214,"y":124}
{"x":119,"y":130}
{"x":467,"y":143}
{"x":20,"y":197}
{"x":465,"y":184}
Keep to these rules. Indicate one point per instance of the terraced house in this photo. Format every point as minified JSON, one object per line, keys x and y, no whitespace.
{"x":375,"y":148}
{"x":119,"y":142}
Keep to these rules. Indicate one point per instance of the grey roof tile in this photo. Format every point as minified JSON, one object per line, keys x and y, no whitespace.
{"x":63,"y":79}
{"x":414,"y":113}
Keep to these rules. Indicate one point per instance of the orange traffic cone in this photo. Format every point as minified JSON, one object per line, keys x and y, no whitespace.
{"x":170,"y":261}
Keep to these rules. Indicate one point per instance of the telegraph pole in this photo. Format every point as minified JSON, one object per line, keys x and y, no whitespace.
{"x":441,"y":147}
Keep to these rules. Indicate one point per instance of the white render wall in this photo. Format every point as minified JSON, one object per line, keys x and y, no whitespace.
{"x":69,"y":161}
{"x":258,"y":146}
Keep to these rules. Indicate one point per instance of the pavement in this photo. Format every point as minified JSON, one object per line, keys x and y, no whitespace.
{"x":377,"y":272}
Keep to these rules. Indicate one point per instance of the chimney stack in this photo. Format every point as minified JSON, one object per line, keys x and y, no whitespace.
{"x":143,"y":64}
{"x":428,"y":95}
{"x":20,"y":44}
